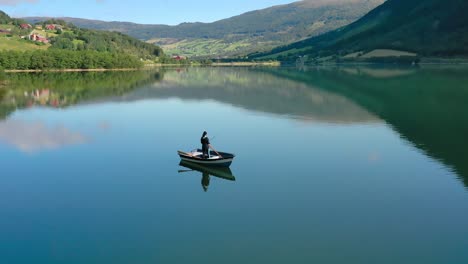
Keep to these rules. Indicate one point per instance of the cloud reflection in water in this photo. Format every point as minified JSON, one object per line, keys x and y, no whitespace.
{"x":36,"y":136}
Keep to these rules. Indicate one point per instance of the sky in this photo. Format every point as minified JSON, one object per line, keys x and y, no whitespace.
{"x":169,"y":12}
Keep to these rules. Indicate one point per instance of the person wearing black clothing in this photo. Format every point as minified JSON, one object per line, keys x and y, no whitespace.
{"x":205,"y":141}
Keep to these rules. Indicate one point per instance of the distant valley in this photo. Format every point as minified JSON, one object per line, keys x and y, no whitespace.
{"x":259,"y":30}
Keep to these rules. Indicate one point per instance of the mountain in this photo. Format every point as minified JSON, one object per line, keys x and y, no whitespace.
{"x":426,"y":28}
{"x":245,"y":33}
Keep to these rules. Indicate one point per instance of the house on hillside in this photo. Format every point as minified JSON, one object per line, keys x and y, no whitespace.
{"x":53,"y":27}
{"x":177,"y":57}
{"x":25,"y":26}
{"x":38,"y":38}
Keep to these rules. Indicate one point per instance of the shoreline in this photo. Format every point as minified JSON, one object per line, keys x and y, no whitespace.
{"x":196,"y":64}
{"x":71,"y":70}
{"x":242,"y":64}
{"x":247,"y":64}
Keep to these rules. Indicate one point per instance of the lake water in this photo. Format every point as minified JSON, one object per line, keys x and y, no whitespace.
{"x":334,"y":165}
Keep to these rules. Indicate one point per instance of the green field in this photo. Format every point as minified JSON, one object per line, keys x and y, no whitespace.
{"x":387,"y":53}
{"x":379,"y":53}
{"x":6,"y":27}
{"x":16,"y":43}
{"x":207,"y":47}
{"x":45,"y":33}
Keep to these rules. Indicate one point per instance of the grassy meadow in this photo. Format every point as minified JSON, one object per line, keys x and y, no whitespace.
{"x":18,"y":44}
{"x":205,"y":47}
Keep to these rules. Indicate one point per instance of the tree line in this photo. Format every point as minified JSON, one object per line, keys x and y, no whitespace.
{"x":66,"y":59}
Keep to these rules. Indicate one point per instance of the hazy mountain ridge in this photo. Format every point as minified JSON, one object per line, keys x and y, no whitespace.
{"x":256,"y":30}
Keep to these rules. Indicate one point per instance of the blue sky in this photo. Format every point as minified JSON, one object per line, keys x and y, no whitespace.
{"x":139,"y":11}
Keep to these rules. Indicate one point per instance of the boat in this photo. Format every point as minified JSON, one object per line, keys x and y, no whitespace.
{"x":196,"y":156}
{"x":219,"y":172}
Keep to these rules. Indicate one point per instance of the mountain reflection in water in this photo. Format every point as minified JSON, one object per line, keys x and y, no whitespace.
{"x":426,"y":106}
{"x":256,"y":91}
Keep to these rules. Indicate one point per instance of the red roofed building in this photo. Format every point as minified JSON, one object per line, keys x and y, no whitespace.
{"x":177,"y":57}
{"x":50,"y":27}
{"x":25,"y":26}
{"x":36,"y":37}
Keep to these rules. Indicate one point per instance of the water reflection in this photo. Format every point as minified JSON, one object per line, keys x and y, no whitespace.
{"x":426,"y":106}
{"x":244,"y":88}
{"x":256,"y":91}
{"x":36,"y":136}
{"x":207,"y":172}
{"x":59,"y":90}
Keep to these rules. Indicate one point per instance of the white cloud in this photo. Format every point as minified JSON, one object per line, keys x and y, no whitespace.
{"x":15,"y":2}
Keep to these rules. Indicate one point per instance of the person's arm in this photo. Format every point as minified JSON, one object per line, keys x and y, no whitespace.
{"x":211,"y":147}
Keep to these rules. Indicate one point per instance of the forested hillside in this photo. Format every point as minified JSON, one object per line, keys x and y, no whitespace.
{"x":102,"y":41}
{"x":56,"y":44}
{"x":427,"y":28}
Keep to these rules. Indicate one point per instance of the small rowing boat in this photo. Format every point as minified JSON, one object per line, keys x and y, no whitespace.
{"x":196,"y":156}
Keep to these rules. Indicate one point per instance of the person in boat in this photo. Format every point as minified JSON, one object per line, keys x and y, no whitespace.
{"x":206,"y":146}
{"x":205,"y":141}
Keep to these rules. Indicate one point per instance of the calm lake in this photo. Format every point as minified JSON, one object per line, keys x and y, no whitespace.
{"x":334,"y":165}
